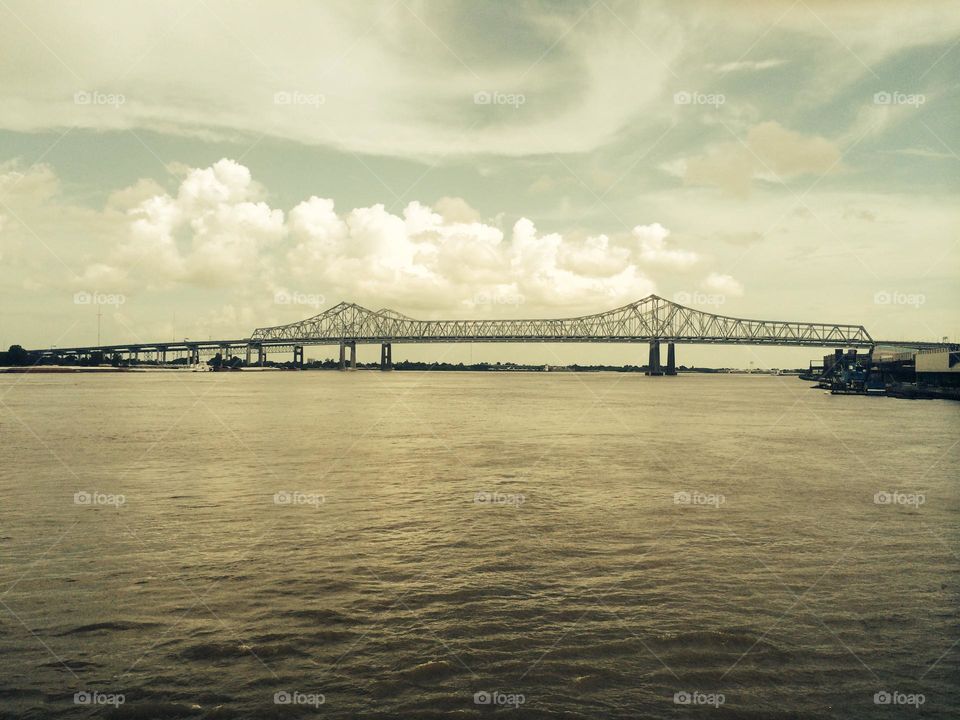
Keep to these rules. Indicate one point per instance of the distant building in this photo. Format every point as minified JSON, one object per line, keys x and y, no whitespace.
{"x":938,"y":367}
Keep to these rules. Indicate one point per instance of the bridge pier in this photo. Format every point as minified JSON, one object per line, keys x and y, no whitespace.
{"x":298,"y":356}
{"x":261,"y":356}
{"x":671,"y":360}
{"x":386,"y":356}
{"x":653,"y":364}
{"x":352,"y":344}
{"x":246,"y":362}
{"x":194,"y":355}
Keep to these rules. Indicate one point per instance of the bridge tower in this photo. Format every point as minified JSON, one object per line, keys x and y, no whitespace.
{"x":386,"y":356}
{"x":298,"y":356}
{"x":671,"y":359}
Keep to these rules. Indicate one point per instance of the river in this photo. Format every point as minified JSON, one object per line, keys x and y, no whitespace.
{"x":419,"y":545}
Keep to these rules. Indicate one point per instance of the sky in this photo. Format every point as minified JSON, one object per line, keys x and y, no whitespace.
{"x":202,"y":168}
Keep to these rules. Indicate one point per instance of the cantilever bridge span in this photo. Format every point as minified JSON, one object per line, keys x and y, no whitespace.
{"x":651,"y":320}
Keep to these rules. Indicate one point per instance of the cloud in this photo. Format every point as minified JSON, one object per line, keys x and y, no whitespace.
{"x":723,"y":284}
{"x":923,"y":153}
{"x":423,"y":260}
{"x":399,"y":79}
{"x":739,"y":238}
{"x":211,"y":234}
{"x":384,"y":78}
{"x":790,"y":153}
{"x":770,"y":152}
{"x":216,"y":233}
{"x":652,"y":241}
{"x":740,"y":65}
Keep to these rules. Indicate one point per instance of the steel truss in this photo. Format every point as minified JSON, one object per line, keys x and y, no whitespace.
{"x":652,"y":318}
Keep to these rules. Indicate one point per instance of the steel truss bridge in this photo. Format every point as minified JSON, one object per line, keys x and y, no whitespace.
{"x":652,"y":320}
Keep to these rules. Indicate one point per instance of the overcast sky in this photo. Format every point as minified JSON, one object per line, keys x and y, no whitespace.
{"x":201,"y":168}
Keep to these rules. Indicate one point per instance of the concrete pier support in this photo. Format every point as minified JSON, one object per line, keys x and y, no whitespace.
{"x":163,"y":356}
{"x":671,"y":360}
{"x":344,"y":344}
{"x":246,"y":361}
{"x":194,"y":355}
{"x":386,"y":356}
{"x":653,"y":364}
{"x":298,"y":356}
{"x":261,"y":356}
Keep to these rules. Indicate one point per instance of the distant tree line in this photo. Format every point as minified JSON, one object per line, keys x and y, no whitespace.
{"x":17,"y":356}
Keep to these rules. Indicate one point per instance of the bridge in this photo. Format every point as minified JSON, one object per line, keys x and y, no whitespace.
{"x":652,"y":320}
